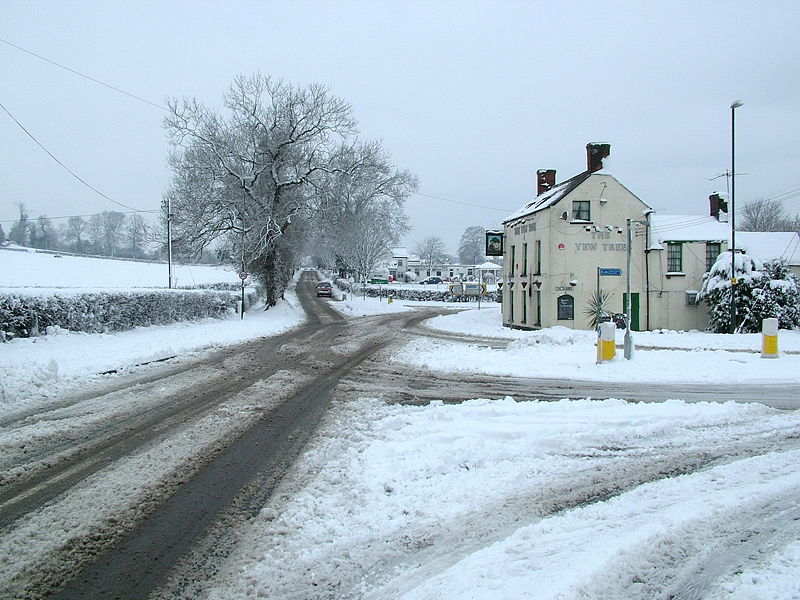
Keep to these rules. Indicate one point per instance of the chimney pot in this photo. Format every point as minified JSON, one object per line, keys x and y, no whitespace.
{"x":545,"y":180}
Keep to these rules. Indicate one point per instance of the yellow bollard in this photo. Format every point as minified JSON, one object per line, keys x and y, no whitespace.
{"x":606,"y":349}
{"x":769,"y":338}
{"x":390,"y":300}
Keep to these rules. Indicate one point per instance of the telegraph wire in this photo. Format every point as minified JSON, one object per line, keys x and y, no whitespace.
{"x":65,"y":167}
{"x":505,"y":210}
{"x":97,"y":81}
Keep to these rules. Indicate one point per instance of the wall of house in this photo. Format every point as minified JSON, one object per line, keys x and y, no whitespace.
{"x":670,"y":305}
{"x":572,"y":250}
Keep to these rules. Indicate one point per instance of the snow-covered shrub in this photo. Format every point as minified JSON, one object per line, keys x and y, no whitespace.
{"x":26,"y":316}
{"x":762,"y":291}
{"x":775,"y":295}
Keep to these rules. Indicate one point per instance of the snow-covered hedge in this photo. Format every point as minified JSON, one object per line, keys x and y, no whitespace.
{"x":404,"y":294}
{"x":26,"y":316}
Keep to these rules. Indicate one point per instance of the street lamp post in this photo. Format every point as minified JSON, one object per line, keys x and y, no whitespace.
{"x":732,"y":213}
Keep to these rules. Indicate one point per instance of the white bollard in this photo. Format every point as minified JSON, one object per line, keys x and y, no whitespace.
{"x":606,"y":349}
{"x":769,"y":338}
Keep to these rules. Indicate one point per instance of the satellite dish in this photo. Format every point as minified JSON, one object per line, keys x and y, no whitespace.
{"x":564,"y":215}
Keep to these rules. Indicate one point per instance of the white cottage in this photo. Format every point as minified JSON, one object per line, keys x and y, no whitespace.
{"x":569,"y":245}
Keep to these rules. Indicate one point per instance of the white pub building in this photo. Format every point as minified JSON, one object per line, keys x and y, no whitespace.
{"x":570,"y":243}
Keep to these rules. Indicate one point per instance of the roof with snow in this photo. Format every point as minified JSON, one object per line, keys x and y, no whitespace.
{"x":763,"y":245}
{"x":687,"y":228}
{"x":550,"y":197}
{"x":489,"y":266}
{"x":399,"y":253}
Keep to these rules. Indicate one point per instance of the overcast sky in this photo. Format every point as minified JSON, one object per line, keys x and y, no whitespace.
{"x":472,"y":97}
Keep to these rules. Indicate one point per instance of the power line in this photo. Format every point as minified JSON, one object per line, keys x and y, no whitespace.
{"x":65,"y":167}
{"x":97,"y":81}
{"x":505,"y":210}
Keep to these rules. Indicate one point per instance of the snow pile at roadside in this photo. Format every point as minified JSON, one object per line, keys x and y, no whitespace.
{"x":35,"y":368}
{"x":382,"y":482}
{"x":559,"y":352}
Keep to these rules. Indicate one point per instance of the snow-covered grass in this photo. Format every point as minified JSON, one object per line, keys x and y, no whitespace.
{"x":33,"y":272}
{"x":34,"y":369}
{"x":559,"y":352}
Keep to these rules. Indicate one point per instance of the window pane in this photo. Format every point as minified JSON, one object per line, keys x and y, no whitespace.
{"x":580,"y":210}
{"x":674,"y":262}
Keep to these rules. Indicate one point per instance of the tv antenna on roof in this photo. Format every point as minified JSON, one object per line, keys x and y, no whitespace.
{"x":727,"y":175}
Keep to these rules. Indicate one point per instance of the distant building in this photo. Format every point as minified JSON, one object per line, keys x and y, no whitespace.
{"x":402,"y":263}
{"x":570,"y":243}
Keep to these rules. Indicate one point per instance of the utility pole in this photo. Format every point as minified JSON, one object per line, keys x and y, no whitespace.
{"x":169,"y":240}
{"x":628,"y":339}
{"x":732,"y":213}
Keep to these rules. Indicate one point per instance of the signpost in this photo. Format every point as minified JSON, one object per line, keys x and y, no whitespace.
{"x":243,"y":275}
{"x":604,"y":272}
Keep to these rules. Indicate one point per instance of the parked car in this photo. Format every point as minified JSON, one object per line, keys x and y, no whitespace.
{"x":432,"y":280}
{"x":324,"y":288}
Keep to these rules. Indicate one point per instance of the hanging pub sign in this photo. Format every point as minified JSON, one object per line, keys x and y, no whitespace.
{"x":494,"y":243}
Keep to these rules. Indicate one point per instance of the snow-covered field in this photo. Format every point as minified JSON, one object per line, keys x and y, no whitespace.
{"x":468,"y":491}
{"x":31,"y":272}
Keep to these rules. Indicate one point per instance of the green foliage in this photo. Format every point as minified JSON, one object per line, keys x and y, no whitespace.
{"x":762,"y":291}
{"x":596,"y":307}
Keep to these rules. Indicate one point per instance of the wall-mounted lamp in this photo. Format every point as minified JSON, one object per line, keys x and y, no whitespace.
{"x":573,"y":282}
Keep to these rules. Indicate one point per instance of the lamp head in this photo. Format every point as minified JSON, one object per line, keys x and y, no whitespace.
{"x":736,"y":104}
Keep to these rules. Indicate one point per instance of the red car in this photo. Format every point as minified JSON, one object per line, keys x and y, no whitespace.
{"x":324,"y":288}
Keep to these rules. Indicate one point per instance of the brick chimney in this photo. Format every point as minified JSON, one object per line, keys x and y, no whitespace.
{"x":545,"y":180}
{"x":717,"y":204}
{"x":595,"y":153}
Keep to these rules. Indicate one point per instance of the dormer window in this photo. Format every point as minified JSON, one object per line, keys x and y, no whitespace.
{"x":581,"y":210}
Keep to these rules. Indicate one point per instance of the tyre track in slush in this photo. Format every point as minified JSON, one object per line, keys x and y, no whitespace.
{"x":57,"y":466}
{"x":143,"y":557}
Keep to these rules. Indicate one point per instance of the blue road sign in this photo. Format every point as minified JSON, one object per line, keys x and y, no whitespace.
{"x":610,"y":272}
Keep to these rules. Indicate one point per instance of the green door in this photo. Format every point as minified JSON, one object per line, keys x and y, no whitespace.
{"x":634,"y":309}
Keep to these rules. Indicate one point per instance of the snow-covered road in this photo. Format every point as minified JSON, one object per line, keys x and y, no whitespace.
{"x":400,"y":496}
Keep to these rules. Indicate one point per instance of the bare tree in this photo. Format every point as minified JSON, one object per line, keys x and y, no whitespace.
{"x":136,"y":234}
{"x":95,"y":233}
{"x":72,"y":233}
{"x":766,"y":215}
{"x":431,"y":251}
{"x":246,"y":175}
{"x":20,"y":231}
{"x":471,"y":248}
{"x":43,"y":235}
{"x":113,"y":227}
{"x":359,"y":209}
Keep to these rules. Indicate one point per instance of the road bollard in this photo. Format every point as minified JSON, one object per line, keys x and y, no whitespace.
{"x":769,"y":338}
{"x":605,"y":342}
{"x":389,"y":300}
